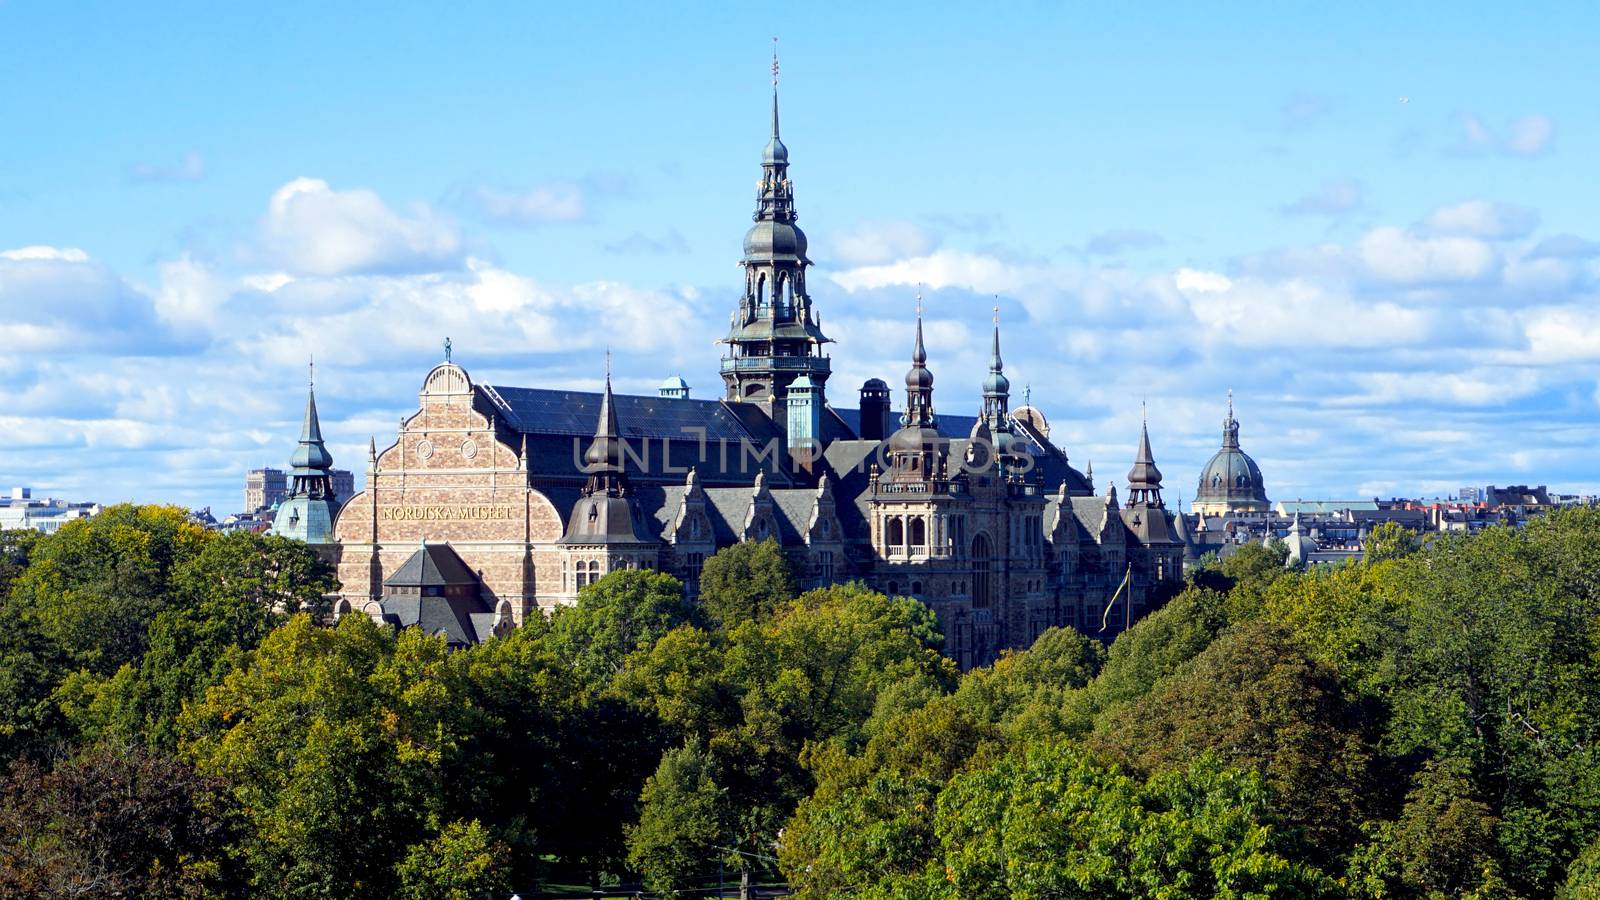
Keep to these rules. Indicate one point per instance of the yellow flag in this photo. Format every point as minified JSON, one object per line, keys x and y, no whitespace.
{"x":1106,"y":616}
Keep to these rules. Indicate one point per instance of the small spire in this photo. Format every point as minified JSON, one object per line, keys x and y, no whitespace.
{"x":919,"y":354}
{"x":994,"y":352}
{"x":372,"y":449}
{"x":774,"y":86}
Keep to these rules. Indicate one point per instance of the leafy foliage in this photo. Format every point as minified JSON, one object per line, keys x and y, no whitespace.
{"x":180,"y":720}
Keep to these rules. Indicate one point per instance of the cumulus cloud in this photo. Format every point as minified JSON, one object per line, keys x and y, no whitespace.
{"x":192,"y":167}
{"x":1397,"y":255}
{"x":871,"y":243}
{"x":978,"y":272}
{"x":545,"y":204}
{"x":312,"y":229}
{"x":1528,"y":135}
{"x":1334,"y":197}
{"x":55,"y":299}
{"x":1483,"y":219}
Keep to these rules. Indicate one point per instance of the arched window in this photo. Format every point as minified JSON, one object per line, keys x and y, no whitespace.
{"x":894,"y":588}
{"x":895,"y":532}
{"x":919,"y":531}
{"x":916,"y":588}
{"x":981,"y":562}
{"x":761,"y":290}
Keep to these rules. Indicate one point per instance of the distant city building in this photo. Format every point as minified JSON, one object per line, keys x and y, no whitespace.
{"x":1231,"y":481}
{"x":21,"y":510}
{"x":1470,"y":494}
{"x":263,"y":489}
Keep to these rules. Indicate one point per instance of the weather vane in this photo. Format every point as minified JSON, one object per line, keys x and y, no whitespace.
{"x":311,"y":369}
{"x":447,"y":349}
{"x":774,"y":62}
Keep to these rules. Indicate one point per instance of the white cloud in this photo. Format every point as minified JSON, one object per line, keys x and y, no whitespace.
{"x":1483,"y":219}
{"x":1528,"y":135}
{"x":1195,"y":281}
{"x":872,"y":243}
{"x":978,"y":272}
{"x":312,"y":229}
{"x":39,"y":252}
{"x":1395,"y":255}
{"x":544,"y":204}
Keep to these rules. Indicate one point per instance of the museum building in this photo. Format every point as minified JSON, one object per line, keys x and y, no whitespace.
{"x":495,"y":503}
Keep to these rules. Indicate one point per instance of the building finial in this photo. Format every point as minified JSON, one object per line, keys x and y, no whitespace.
{"x":311,"y":371}
{"x":447,"y":348}
{"x":1027,"y":395}
{"x":774,"y":86}
{"x":1230,"y":403}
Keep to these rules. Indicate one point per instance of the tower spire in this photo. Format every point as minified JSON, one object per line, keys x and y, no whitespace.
{"x":996,"y":387}
{"x":774,"y":87}
{"x":604,"y":457}
{"x":1144,"y":479}
{"x":919,"y":381}
{"x":775,"y":336}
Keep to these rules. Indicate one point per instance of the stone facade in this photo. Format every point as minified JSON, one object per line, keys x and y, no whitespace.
{"x":451,"y":478}
{"x":539,"y":492}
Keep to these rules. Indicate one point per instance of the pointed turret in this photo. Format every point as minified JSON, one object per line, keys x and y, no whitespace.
{"x":605,"y":512}
{"x":1144,"y":479}
{"x":307,"y":511}
{"x":916,"y":450}
{"x":604,"y":456}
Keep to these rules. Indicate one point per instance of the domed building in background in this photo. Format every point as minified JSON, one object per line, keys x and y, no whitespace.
{"x":1231,"y":481}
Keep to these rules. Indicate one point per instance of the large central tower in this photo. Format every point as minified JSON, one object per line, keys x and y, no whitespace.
{"x":774,"y":336}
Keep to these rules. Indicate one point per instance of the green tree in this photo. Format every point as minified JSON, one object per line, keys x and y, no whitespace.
{"x":620,"y":613}
{"x":681,"y":821}
{"x":226,"y":599}
{"x":335,"y":743}
{"x":1257,"y":700}
{"x":1389,"y":540}
{"x":1442,"y":845}
{"x":869,"y":821}
{"x":747,"y":582}
{"x":463,"y":863}
{"x":116,"y":822}
{"x":1049,"y":821}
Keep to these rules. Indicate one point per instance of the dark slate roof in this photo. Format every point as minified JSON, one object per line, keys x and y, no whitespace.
{"x":462,"y":620}
{"x":542,"y":411}
{"x":432,"y":565}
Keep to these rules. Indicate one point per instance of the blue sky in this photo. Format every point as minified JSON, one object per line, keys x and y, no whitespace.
{"x":1374,"y":222}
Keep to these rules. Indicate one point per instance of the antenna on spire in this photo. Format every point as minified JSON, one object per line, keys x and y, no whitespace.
{"x":1144,"y":412}
{"x":311,"y":367}
{"x":608,"y":364}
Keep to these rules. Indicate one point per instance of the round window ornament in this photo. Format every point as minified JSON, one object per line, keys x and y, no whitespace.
{"x":469,"y":449}
{"x":425,"y":449}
